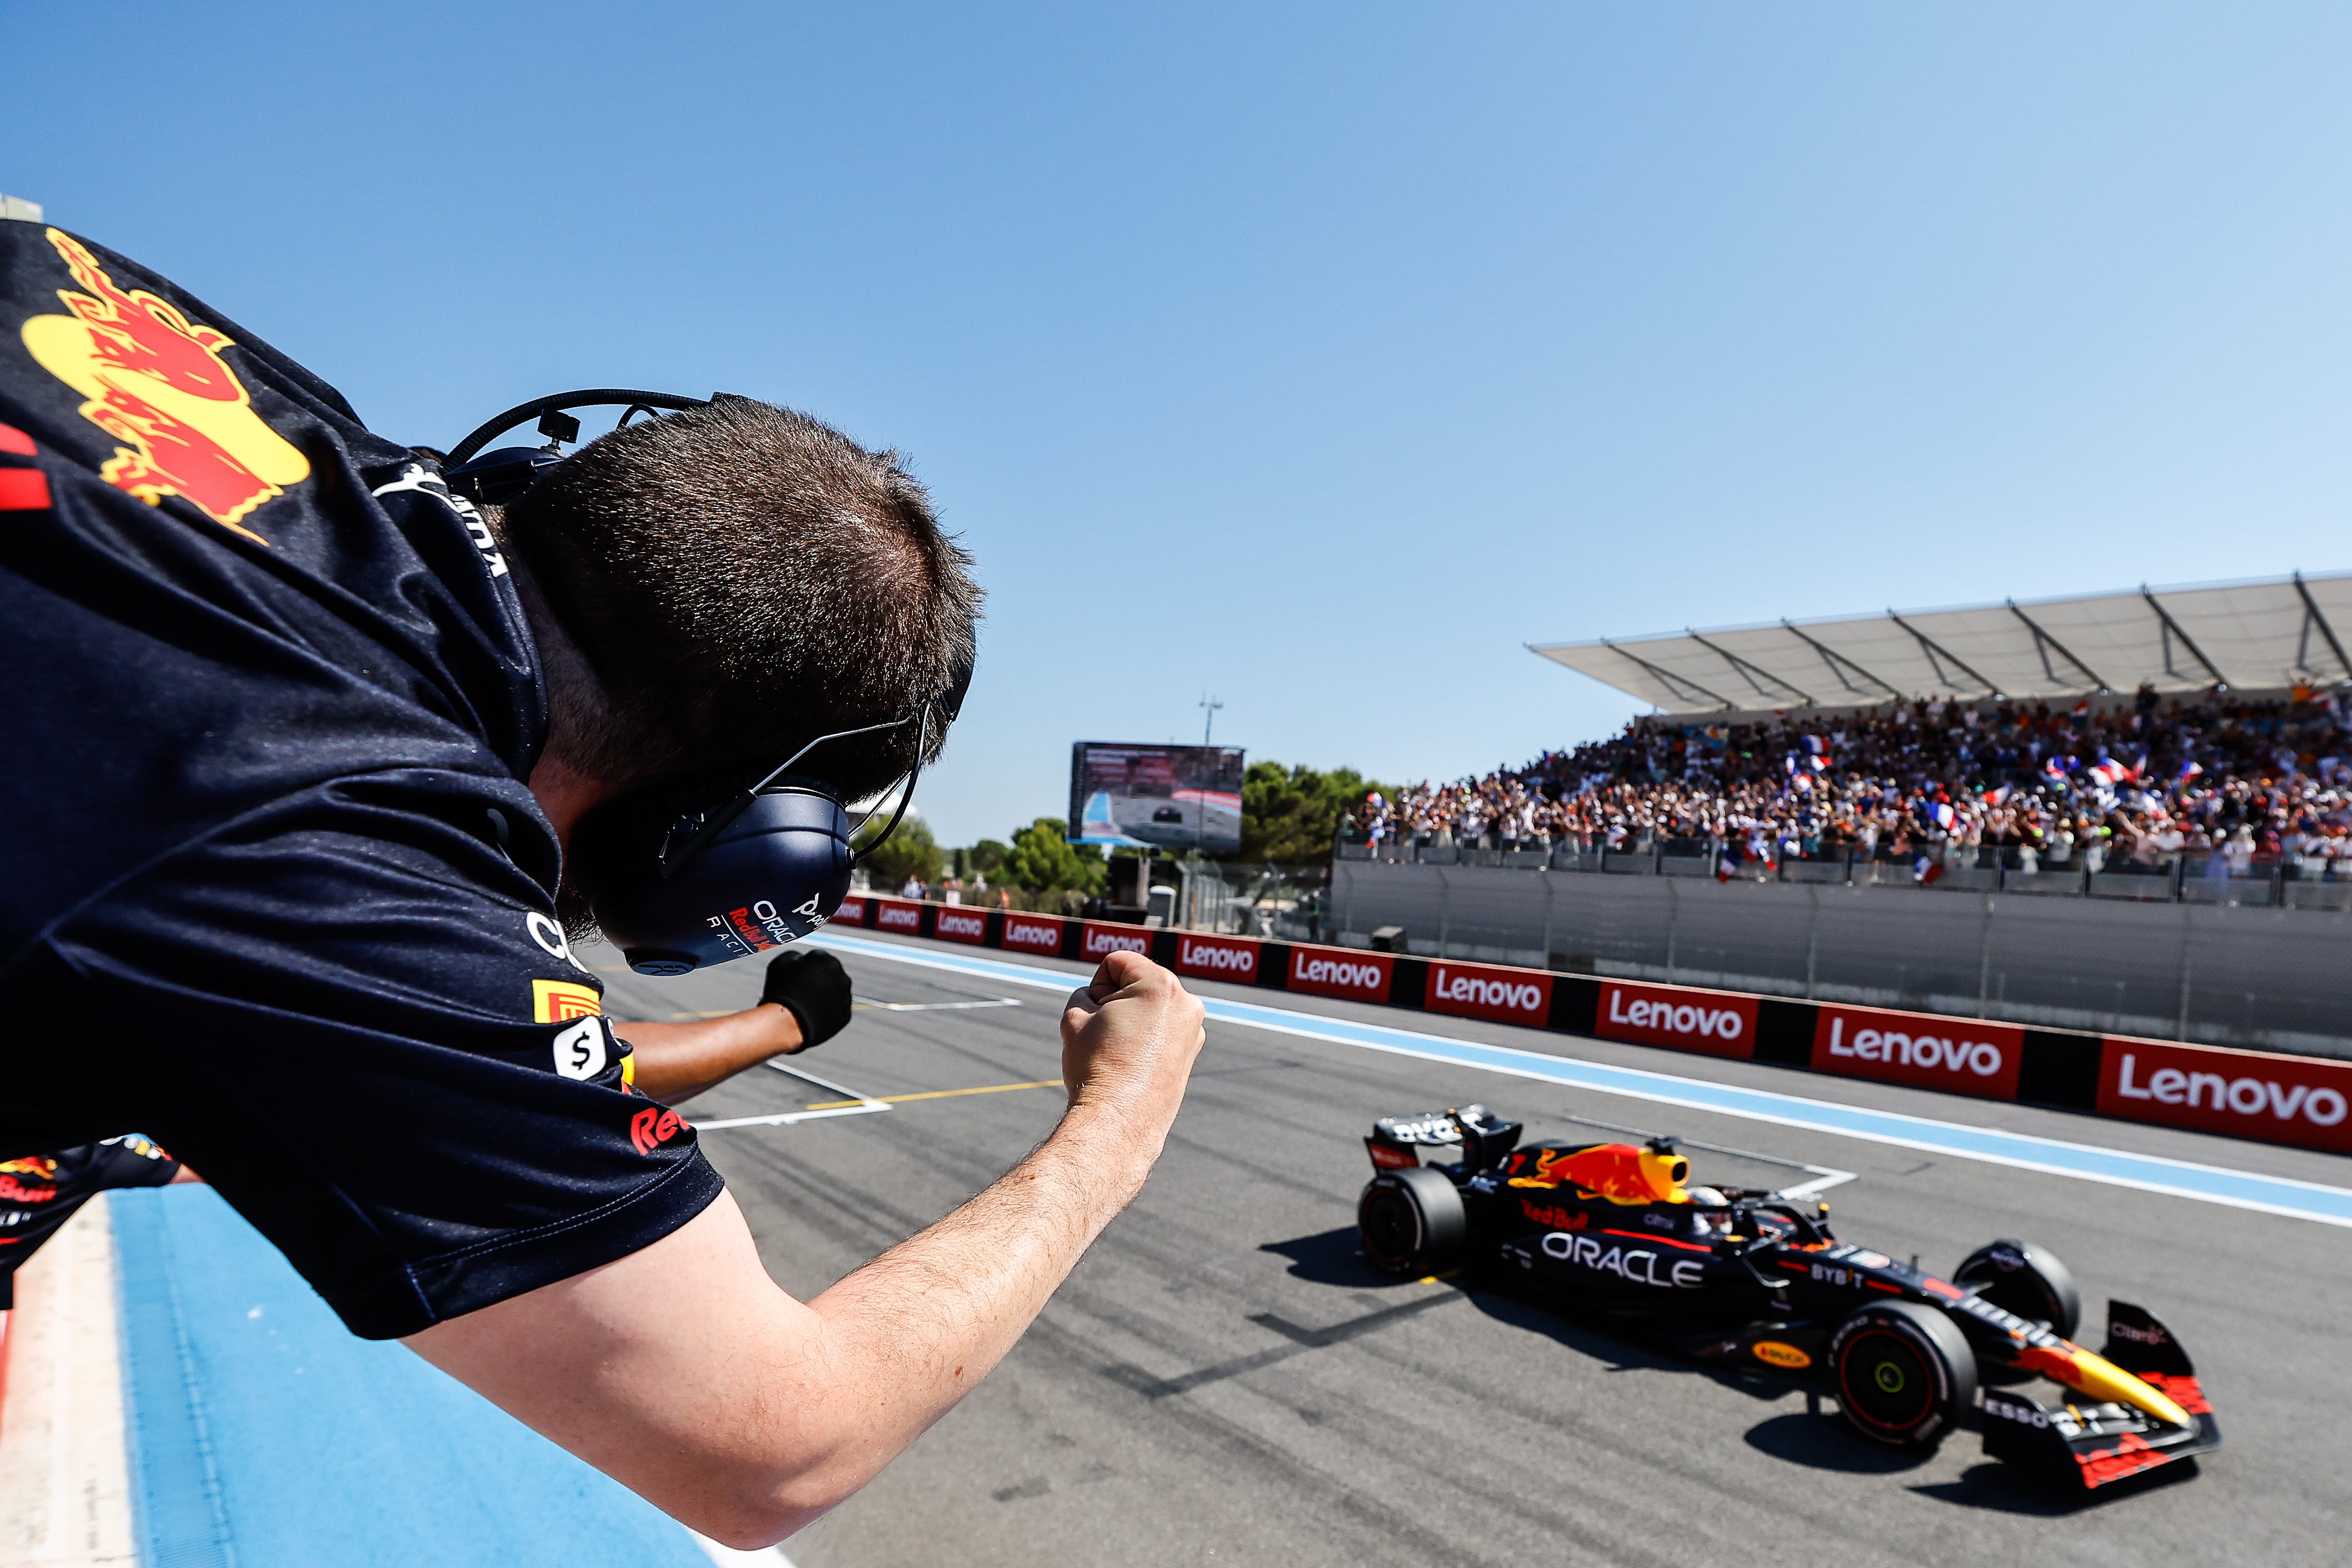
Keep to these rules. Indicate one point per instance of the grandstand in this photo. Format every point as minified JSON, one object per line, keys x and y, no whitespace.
{"x":2076,"y":734}
{"x":2189,"y":747}
{"x":2266,"y":632}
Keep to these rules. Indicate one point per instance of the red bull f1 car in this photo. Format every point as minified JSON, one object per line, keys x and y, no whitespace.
{"x":1754,"y":1280}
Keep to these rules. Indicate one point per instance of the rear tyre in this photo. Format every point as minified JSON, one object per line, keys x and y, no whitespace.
{"x":2027,"y":1279}
{"x":1903,"y":1374}
{"x":1411,"y":1222}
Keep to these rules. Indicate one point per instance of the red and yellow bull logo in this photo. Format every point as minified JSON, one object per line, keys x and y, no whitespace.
{"x":1618,"y":1172}
{"x":155,"y":382}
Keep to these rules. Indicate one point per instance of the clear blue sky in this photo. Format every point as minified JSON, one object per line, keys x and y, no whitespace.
{"x":1319,"y":356}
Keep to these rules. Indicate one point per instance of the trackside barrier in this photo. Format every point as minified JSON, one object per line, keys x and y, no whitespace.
{"x":2268,"y":1098}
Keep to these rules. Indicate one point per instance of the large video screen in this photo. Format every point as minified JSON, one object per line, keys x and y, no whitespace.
{"x":1169,"y":797}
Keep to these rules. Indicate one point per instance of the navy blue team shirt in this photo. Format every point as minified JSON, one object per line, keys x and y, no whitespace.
{"x":263,"y":686}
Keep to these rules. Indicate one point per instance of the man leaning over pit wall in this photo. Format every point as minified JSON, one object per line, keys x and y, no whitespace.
{"x":297,"y":754}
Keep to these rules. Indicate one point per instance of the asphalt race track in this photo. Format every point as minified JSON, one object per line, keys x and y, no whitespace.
{"x":1224,"y":1379}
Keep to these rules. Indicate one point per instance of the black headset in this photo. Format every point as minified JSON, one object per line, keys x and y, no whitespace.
{"x":729,"y":862}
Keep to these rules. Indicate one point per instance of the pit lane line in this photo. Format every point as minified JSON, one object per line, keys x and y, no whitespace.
{"x":2282,"y":1196}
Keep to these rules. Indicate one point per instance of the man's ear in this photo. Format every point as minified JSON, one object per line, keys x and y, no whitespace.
{"x":587,"y":758}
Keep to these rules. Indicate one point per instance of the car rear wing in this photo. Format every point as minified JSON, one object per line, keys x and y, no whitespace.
{"x":1483,"y":1137}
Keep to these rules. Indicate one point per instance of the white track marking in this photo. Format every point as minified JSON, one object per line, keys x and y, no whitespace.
{"x":866,"y":1105}
{"x":787,"y":1118}
{"x":807,"y":1077}
{"x":2234,"y":1188}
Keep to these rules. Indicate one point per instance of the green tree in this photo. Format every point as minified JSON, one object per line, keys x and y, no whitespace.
{"x":1043,"y":861}
{"x":987,"y":857}
{"x":910,"y":852}
{"x":1289,"y":815}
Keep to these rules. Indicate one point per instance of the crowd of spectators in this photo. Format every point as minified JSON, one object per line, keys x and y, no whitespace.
{"x":2130,"y":785}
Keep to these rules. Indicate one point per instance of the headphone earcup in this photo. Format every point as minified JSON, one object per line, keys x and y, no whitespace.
{"x":773,"y":874}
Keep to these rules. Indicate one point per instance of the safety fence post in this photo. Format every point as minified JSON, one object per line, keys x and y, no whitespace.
{"x":2187,"y":923}
{"x":1444,"y":897}
{"x":1674,"y":907}
{"x":1812,"y":936}
{"x":1984,"y":957}
{"x":1547,"y":926}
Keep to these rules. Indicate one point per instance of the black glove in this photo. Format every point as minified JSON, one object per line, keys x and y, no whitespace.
{"x":814,"y":987}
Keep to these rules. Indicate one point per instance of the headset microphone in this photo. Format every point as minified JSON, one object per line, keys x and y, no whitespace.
{"x":728,"y":863}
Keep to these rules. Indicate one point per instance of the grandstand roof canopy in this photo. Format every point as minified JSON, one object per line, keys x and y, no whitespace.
{"x":2270,"y":633}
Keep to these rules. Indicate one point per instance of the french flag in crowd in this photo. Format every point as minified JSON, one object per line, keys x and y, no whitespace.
{"x":1726,"y":862}
{"x":2111,"y":771}
{"x":1925,"y":868}
{"x":1997,"y":797}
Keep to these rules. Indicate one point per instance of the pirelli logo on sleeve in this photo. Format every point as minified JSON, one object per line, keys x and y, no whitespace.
{"x":561,"y":1001}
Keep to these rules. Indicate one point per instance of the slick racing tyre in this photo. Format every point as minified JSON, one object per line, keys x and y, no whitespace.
{"x":1903,"y":1374}
{"x":1412,"y":1221}
{"x":2022,"y":1278}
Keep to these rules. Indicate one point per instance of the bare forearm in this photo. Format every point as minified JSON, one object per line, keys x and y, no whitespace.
{"x":916,"y":1330}
{"x":685,"y":1373}
{"x":675,"y":1062}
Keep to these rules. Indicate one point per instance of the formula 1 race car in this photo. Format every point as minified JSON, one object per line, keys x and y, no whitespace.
{"x":1753,"y":1280}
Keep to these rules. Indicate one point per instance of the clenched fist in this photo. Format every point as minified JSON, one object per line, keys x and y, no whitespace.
{"x":811,"y":984}
{"x":1128,"y":1040}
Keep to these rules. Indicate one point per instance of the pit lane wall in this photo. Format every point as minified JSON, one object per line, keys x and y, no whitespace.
{"x":2258,"y":1095}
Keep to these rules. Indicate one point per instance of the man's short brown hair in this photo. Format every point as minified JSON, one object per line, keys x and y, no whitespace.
{"x":743,"y":578}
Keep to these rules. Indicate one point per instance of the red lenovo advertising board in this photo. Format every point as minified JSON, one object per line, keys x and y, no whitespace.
{"x":899,"y":915}
{"x":1716,"y":1023}
{"x":955,"y":924}
{"x":1098,"y":939}
{"x":851,"y":913}
{"x":1485,"y":990}
{"x":1032,"y":933}
{"x":1341,"y":972}
{"x":1231,"y":958}
{"x":2248,"y":1094}
{"x":1959,"y":1055}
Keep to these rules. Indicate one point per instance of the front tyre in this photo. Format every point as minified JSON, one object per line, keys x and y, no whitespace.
{"x":2027,"y":1279}
{"x":1411,"y":1222}
{"x":1903,"y":1374}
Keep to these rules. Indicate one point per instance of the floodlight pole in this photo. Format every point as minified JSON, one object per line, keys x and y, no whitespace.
{"x":1209,"y":706}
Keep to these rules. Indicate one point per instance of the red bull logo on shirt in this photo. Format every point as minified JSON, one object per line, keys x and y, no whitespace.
{"x":155,"y":382}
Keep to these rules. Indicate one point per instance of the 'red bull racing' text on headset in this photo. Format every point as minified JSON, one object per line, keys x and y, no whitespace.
{"x":726,"y":863}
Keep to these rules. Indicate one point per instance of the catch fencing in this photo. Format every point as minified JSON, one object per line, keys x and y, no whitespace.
{"x":2176,"y":960}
